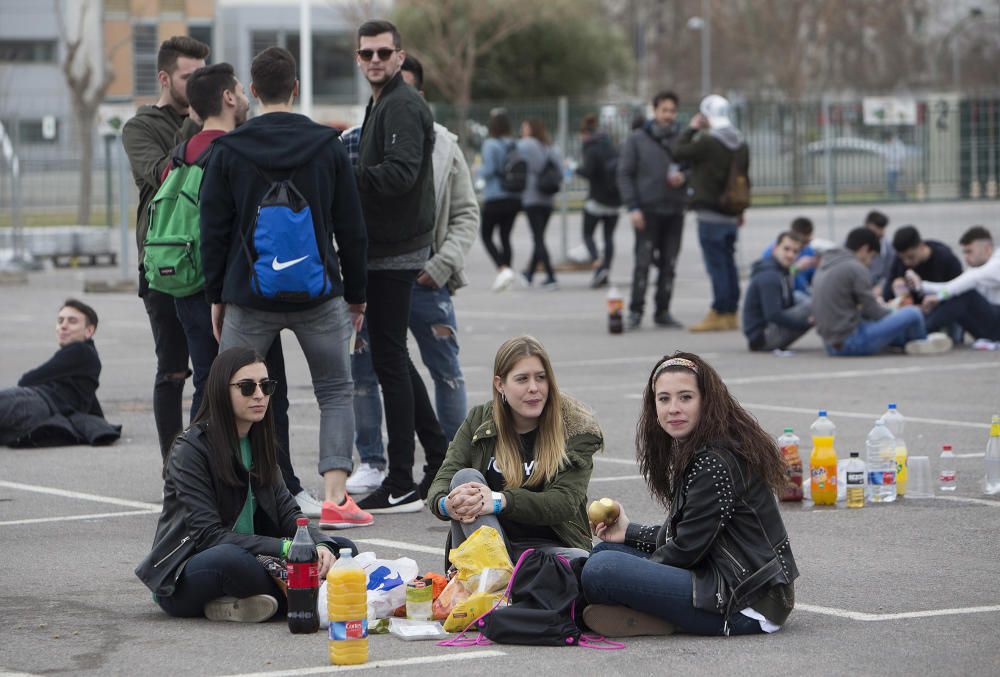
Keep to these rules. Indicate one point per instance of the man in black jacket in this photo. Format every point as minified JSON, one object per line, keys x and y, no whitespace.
{"x":771,"y":318}
{"x":397,"y":194}
{"x":288,"y":153}
{"x":66,"y":384}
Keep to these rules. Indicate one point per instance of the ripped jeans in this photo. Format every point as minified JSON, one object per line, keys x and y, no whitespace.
{"x":429,"y":309}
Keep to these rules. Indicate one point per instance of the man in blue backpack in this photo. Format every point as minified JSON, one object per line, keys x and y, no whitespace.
{"x":275,"y":193}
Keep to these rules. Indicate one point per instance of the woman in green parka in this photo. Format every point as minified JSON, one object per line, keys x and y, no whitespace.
{"x":521,"y":463}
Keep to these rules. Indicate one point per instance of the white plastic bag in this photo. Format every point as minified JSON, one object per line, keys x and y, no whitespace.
{"x":387,"y":581}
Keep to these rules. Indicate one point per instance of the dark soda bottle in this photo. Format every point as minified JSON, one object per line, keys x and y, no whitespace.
{"x":303,"y":581}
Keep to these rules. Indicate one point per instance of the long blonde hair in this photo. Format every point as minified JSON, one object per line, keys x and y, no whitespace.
{"x":550,"y":442}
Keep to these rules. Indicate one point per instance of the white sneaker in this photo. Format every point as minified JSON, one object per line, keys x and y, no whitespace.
{"x":503,"y":280}
{"x":365,"y":479}
{"x":308,"y":504}
{"x":934,"y":344}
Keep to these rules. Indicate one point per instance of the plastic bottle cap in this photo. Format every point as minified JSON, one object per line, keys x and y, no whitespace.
{"x":946,"y":447}
{"x":302,"y":521}
{"x":822,"y":412}
{"x":788,"y":430}
{"x":854,"y":454}
{"x":892,"y":405}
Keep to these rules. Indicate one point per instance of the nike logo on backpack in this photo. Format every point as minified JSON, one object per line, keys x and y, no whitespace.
{"x":281,"y":265}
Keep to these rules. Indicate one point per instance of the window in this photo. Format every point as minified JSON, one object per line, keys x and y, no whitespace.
{"x":27,"y":51}
{"x":261,"y":40}
{"x":202,"y":33}
{"x":145,"y":46}
{"x":332,"y":64}
{"x":39,"y":130}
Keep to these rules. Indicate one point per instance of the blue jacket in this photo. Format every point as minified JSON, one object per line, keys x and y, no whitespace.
{"x":803,"y":278}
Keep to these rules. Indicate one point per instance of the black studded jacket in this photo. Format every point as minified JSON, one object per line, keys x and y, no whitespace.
{"x":724,"y":525}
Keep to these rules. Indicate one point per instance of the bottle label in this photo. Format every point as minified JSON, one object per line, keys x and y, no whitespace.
{"x":947,"y":475}
{"x":881,"y":477}
{"x":303,"y":575}
{"x":856,"y":478}
{"x":822,"y":478}
{"x":346,"y":630}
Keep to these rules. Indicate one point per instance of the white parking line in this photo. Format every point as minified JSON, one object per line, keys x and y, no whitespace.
{"x":70,"y":518}
{"x":864,"y":415}
{"x":52,"y":491}
{"x":862,"y":616}
{"x":619,"y":478}
{"x":401,"y":545}
{"x":608,"y":459}
{"x":374,"y":665}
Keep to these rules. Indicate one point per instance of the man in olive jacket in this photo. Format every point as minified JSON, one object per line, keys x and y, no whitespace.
{"x":561,"y":504}
{"x":149,"y":138}
{"x":395,"y":182}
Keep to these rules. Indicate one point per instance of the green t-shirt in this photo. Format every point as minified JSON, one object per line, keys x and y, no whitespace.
{"x":244,"y":522}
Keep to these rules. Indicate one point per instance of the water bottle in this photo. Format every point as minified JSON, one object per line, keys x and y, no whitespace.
{"x":823,"y":461}
{"x":788,"y":444}
{"x":881,"y":452}
{"x":616,"y":309}
{"x":947,"y":475}
{"x":993,"y":458}
{"x":303,"y":581}
{"x":855,"y":479}
{"x":895,"y":422}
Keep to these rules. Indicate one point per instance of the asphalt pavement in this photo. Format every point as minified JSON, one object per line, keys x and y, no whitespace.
{"x":901,"y":589}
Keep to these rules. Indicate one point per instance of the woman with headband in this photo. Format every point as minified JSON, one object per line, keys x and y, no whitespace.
{"x":521,"y":462}
{"x":721,"y":564}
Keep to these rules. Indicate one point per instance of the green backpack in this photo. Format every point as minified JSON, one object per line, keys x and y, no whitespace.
{"x":172,"y":249}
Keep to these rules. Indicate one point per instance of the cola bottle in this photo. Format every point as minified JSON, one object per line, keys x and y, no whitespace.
{"x":303,"y":581}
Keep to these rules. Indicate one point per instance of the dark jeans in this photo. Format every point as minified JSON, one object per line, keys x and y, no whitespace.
{"x":718,"y":247}
{"x":223,"y":570}
{"x":388,"y":316}
{"x":195,"y":315}
{"x":778,"y":337}
{"x":590,"y":223}
{"x":659,"y":242}
{"x":971,"y":311}
{"x":499,"y":215}
{"x":171,"y":358}
{"x":538,"y":219}
{"x":620,"y":575}
{"x":21,"y":411}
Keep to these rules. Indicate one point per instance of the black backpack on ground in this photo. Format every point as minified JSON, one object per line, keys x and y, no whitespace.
{"x":514,"y":173}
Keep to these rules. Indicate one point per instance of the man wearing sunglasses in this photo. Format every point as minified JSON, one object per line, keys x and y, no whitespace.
{"x":395,"y":181}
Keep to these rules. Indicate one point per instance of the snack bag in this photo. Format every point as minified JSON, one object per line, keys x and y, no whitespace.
{"x":465,"y":612}
{"x":453,"y":594}
{"x":484,"y":549}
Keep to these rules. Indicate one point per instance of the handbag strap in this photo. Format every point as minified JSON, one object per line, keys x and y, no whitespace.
{"x":600,"y":643}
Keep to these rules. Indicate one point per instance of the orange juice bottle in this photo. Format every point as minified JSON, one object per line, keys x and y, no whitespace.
{"x":347,"y":603}
{"x":823,"y":461}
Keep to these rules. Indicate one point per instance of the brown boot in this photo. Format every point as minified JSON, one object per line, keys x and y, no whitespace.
{"x":732,"y":320}
{"x":712,"y":322}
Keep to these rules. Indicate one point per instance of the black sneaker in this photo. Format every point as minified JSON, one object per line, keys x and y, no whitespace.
{"x":600,"y":278}
{"x":382,"y":501}
{"x":666,"y":320}
{"x":425,"y":485}
{"x":633,"y":322}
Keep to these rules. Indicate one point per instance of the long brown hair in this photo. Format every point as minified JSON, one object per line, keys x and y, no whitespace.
{"x":536,"y":128}
{"x":723,"y":423}
{"x":550,"y":441}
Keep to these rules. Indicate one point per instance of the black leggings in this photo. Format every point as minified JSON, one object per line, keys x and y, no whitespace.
{"x":538,"y":219}
{"x":499,"y":214}
{"x":590,"y":223}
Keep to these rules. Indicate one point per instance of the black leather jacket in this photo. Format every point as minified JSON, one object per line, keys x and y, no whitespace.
{"x":191,"y":521}
{"x":724,"y":525}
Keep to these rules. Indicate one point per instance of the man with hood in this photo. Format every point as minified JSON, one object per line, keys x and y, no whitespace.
{"x":771,"y":318}
{"x":849,"y":318}
{"x":709,"y":145}
{"x":651,"y":187}
{"x":149,"y":138}
{"x":277,"y":151}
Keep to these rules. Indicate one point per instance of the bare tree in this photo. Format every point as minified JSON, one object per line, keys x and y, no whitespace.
{"x":87,"y":85}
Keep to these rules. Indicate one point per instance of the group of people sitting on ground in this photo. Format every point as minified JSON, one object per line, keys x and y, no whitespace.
{"x":870,"y":294}
{"x":521,"y":463}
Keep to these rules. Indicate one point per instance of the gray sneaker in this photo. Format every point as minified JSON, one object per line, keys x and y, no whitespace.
{"x":308,"y":504}
{"x":253,"y":609}
{"x":621,"y":621}
{"x":935,"y":344}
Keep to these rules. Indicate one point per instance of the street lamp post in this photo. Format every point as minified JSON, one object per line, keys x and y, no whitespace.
{"x":703,"y":24}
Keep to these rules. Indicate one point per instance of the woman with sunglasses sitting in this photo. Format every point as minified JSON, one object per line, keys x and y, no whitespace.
{"x":521,"y":463}
{"x":721,"y":564}
{"x":224,"y":504}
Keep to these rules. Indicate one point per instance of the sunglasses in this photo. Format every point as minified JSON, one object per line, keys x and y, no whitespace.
{"x":383,"y":53}
{"x":248,"y":387}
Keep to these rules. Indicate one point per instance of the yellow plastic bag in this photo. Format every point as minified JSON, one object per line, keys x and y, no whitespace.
{"x":484,"y":549}
{"x":472,"y":608}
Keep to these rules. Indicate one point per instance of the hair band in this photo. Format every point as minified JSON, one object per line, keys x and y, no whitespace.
{"x":674,"y":362}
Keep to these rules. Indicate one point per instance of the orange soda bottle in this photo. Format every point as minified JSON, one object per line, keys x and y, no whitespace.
{"x":347,"y":603}
{"x":823,"y":461}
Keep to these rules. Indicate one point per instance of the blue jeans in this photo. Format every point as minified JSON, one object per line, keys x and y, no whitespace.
{"x":620,"y":575}
{"x":323,"y":333}
{"x":428,"y":308}
{"x":870,"y":337}
{"x":718,"y":247}
{"x":222,"y":570}
{"x":21,"y":411}
{"x":195,"y":315}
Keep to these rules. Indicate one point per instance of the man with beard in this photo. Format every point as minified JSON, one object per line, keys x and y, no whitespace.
{"x":395,"y":181}
{"x":149,"y":139}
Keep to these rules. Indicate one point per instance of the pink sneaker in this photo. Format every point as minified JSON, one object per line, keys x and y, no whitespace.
{"x":343,"y":516}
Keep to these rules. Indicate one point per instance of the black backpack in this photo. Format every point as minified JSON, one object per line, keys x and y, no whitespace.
{"x":545,"y":600}
{"x":514,"y":173}
{"x":551,"y":177}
